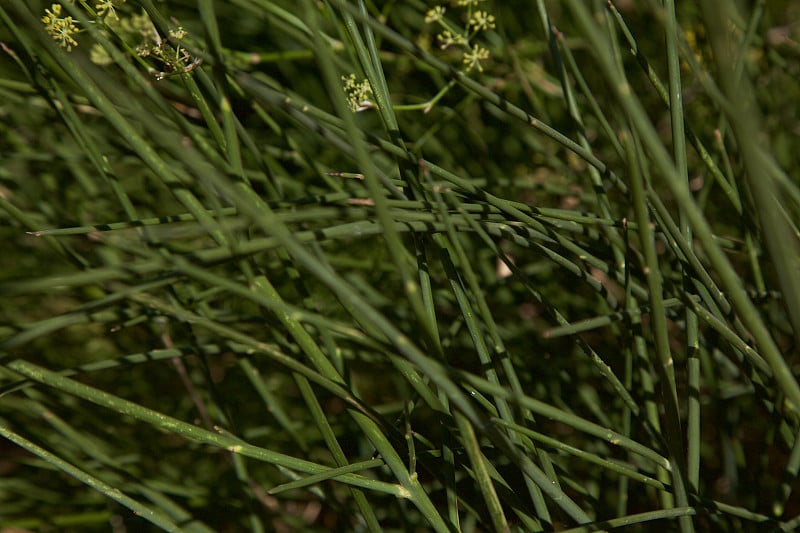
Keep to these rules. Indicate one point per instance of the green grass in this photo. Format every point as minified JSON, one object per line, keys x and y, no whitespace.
{"x":554,"y":293}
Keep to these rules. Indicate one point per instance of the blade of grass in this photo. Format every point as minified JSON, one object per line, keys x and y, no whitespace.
{"x":150,"y":514}
{"x":730,"y":281}
{"x":671,"y":29}
{"x":188,"y":431}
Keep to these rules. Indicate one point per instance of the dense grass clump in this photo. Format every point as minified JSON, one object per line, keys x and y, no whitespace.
{"x":353,"y":265}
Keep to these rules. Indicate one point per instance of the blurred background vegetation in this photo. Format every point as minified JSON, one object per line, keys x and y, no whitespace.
{"x":557,"y":290}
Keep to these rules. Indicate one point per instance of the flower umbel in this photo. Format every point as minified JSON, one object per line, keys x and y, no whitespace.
{"x":452,"y":37}
{"x":434,"y":15}
{"x":473,"y":58}
{"x":358,"y":93}
{"x":106,"y":9}
{"x":481,"y":20}
{"x":170,"y":53}
{"x":447,"y":39}
{"x":61,"y":29}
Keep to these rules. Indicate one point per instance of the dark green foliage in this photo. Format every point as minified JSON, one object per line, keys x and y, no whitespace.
{"x":546,"y":295}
